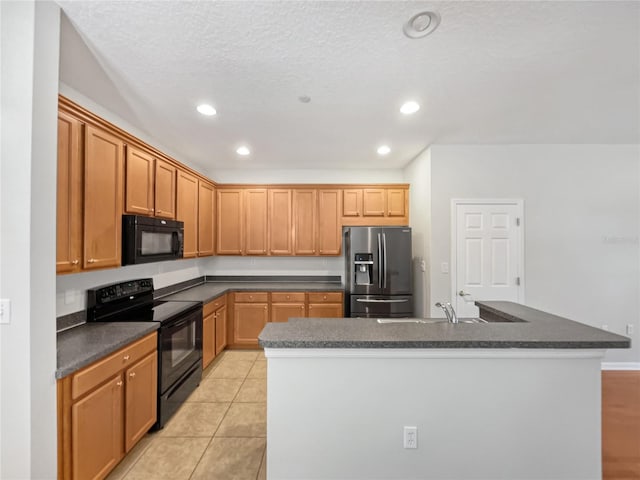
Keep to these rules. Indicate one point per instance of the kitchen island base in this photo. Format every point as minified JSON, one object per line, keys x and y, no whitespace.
{"x":480,"y":414}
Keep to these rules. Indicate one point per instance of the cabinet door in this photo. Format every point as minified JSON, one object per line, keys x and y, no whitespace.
{"x":304,"y":222}
{"x":373,"y":202}
{"x":396,"y":202}
{"x":248,"y":321}
{"x":280,"y":231}
{"x":351,"y":203}
{"x":221,"y":329}
{"x":329,"y":224}
{"x":325,"y":310}
{"x":208,"y":339}
{"x":255,"y":226}
{"x":96,"y":431}
{"x":229,"y":228}
{"x":141,"y":399}
{"x":187,"y":211}
{"x":165,"y":195}
{"x":139,"y":180}
{"x":206,"y":199}
{"x":102,"y":199}
{"x":69,"y":198}
{"x":282,"y":312}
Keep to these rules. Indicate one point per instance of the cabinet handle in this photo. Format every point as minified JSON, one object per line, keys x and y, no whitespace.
{"x":125,"y":358}
{"x":265,"y":308}
{"x":324,"y":297}
{"x":91,"y":260}
{"x":75,"y":262}
{"x":119,"y":383}
{"x":158,"y":211}
{"x":132,"y":374}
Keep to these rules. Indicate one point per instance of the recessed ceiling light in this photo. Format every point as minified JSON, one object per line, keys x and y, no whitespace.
{"x":383,"y":150}
{"x":206,"y":109}
{"x":305,"y":98}
{"x":421,"y":24}
{"x":244,"y":151}
{"x":409,"y":107}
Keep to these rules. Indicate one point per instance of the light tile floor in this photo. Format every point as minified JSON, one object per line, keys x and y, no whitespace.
{"x":219,"y":433}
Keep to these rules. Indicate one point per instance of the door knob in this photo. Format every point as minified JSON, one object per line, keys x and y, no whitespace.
{"x":462,"y":293}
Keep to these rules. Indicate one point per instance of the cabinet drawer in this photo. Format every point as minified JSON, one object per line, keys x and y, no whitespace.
{"x":287,"y":297}
{"x":93,"y":375}
{"x":251,"y":297}
{"x":325,"y":297}
{"x":214,"y":305}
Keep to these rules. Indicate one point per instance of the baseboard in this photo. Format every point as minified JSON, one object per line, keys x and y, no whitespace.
{"x":620,"y":366}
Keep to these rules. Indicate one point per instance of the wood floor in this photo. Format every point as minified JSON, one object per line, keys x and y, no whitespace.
{"x":621,"y":425}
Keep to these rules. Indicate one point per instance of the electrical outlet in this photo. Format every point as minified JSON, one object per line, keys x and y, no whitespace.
{"x":444,"y":267}
{"x":410,"y":437}
{"x":630,"y":329}
{"x":5,"y":310}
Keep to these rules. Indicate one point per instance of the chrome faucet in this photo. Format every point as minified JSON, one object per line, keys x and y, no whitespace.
{"x":448,"y":311}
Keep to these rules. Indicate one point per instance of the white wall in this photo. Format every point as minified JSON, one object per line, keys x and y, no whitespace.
{"x":307,"y":176}
{"x":71,"y":290}
{"x":582,"y":212}
{"x":418,"y":175}
{"x":29,"y":79}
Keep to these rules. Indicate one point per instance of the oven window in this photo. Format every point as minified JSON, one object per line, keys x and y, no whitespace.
{"x":183,"y":343}
{"x":153,"y":243}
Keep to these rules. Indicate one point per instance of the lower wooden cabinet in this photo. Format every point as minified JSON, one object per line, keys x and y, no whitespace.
{"x":286,"y":305}
{"x":105,"y":408}
{"x":250,"y":311}
{"x":214,"y":329}
{"x":325,"y":305}
{"x":250,"y":315}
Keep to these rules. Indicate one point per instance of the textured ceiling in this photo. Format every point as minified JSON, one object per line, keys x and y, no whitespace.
{"x":493,"y":72}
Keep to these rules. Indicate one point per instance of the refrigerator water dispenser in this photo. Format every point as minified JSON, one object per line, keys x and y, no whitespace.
{"x":363,"y":263}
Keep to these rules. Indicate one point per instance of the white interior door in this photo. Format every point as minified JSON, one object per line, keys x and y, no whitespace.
{"x":488,"y":253}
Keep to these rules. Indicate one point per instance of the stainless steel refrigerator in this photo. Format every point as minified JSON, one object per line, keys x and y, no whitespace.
{"x":378,"y":272}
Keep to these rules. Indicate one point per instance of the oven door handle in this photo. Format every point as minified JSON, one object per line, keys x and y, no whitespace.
{"x":181,"y":323}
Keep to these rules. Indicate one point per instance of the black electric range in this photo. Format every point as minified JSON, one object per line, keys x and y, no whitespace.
{"x":179,"y":335}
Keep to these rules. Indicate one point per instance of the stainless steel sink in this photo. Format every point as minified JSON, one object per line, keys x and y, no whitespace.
{"x":428,"y":320}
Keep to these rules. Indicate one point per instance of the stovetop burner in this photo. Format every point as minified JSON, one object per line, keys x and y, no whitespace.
{"x":132,"y":301}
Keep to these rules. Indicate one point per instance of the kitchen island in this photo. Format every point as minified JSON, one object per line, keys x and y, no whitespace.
{"x":515,"y":398}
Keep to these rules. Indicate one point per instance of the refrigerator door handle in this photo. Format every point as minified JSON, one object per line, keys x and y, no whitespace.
{"x":384,"y":253}
{"x":397,"y":300}
{"x":380,"y":265}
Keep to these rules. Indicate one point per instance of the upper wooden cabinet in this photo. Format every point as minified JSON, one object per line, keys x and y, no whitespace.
{"x":165,"y":192}
{"x":103,"y":194}
{"x":187,"y":211}
{"x":206,"y":209}
{"x":352,"y":202}
{"x":69,"y":200}
{"x":150,"y":185}
{"x":280,"y":227}
{"x":255,"y":221}
{"x":229,"y":222}
{"x":304,"y":222}
{"x":329,"y":224}
{"x":373,"y":202}
{"x":376,"y":206}
{"x":139,"y":182}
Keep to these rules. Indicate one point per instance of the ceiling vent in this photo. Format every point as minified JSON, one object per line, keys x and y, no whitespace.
{"x":421,"y":24}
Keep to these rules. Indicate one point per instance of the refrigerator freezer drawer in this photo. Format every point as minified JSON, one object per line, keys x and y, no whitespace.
{"x":381,"y":306}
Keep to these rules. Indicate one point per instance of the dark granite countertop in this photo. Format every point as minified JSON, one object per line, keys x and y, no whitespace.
{"x":82,"y":345}
{"x":211,"y":289}
{"x":523,"y":327}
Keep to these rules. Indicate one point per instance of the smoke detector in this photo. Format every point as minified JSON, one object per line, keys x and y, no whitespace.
{"x":421,"y":24}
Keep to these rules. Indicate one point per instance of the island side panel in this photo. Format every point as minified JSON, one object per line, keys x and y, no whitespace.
{"x":498,"y":416}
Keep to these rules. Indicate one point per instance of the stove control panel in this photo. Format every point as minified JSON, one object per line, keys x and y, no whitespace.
{"x":122,"y":294}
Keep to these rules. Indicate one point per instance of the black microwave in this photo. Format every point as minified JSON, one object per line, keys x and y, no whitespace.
{"x":146,"y":239}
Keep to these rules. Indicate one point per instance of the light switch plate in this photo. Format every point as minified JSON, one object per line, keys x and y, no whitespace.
{"x":5,"y":311}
